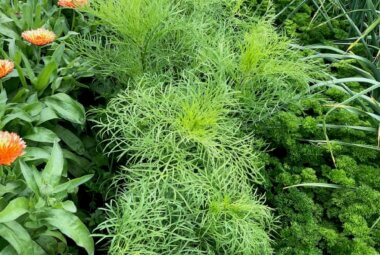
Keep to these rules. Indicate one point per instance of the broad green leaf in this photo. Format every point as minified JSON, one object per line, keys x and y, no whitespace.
{"x":17,"y":114}
{"x":71,"y":226}
{"x":60,"y":26}
{"x":67,"y":108}
{"x":4,"y":30}
{"x":12,"y":48}
{"x":69,"y":206}
{"x":21,"y":93}
{"x":9,"y":250}
{"x":14,"y":209}
{"x":27,"y":172}
{"x":3,"y":97}
{"x":20,"y":72}
{"x":48,"y":243}
{"x":46,"y":115}
{"x":69,"y":186}
{"x":33,"y":108}
{"x":70,"y":139}
{"x":82,"y":162}
{"x":53,"y":170}
{"x":10,"y":187}
{"x":4,"y":18}
{"x":42,"y":135}
{"x":58,"y":53}
{"x":3,"y":101}
{"x":44,"y":77}
{"x":29,"y":70}
{"x":57,"y":83}
{"x":55,"y":234}
{"x":37,"y":16}
{"x":27,"y":13}
{"x":17,"y":236}
{"x":35,"y":153}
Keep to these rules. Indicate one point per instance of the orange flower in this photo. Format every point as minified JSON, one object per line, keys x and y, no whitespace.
{"x":11,"y":147}
{"x":6,"y":67}
{"x":39,"y":36}
{"x":72,"y":3}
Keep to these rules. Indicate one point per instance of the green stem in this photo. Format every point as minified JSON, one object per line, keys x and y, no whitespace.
{"x":38,"y":53}
{"x":73,"y":22}
{"x":1,"y":173}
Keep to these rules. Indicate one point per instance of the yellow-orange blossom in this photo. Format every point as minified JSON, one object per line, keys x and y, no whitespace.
{"x":39,"y":36}
{"x":11,"y":147}
{"x":6,"y":67}
{"x":72,"y":3}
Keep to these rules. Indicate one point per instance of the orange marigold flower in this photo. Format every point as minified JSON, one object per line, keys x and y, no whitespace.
{"x":11,"y":147}
{"x":39,"y":36}
{"x":72,"y":3}
{"x":6,"y":67}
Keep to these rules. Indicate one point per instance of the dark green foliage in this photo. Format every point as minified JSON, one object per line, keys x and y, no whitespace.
{"x":299,"y":19}
{"x":320,"y":220}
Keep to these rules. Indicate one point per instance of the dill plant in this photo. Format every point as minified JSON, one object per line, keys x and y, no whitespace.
{"x":182,"y":211}
{"x":135,"y":37}
{"x":194,"y":75}
{"x":187,"y":184}
{"x":275,"y":73}
{"x":187,"y":123}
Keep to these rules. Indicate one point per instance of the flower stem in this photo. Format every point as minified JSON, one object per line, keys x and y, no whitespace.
{"x":73,"y":22}
{"x":1,"y":173}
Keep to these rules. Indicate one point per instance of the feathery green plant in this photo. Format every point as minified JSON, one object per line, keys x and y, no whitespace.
{"x":135,"y":37}
{"x":274,"y":72}
{"x":194,"y":79}
{"x":178,"y":124}
{"x":182,"y":211}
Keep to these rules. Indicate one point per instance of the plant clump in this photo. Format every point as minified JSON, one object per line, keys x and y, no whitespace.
{"x":189,"y":76}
